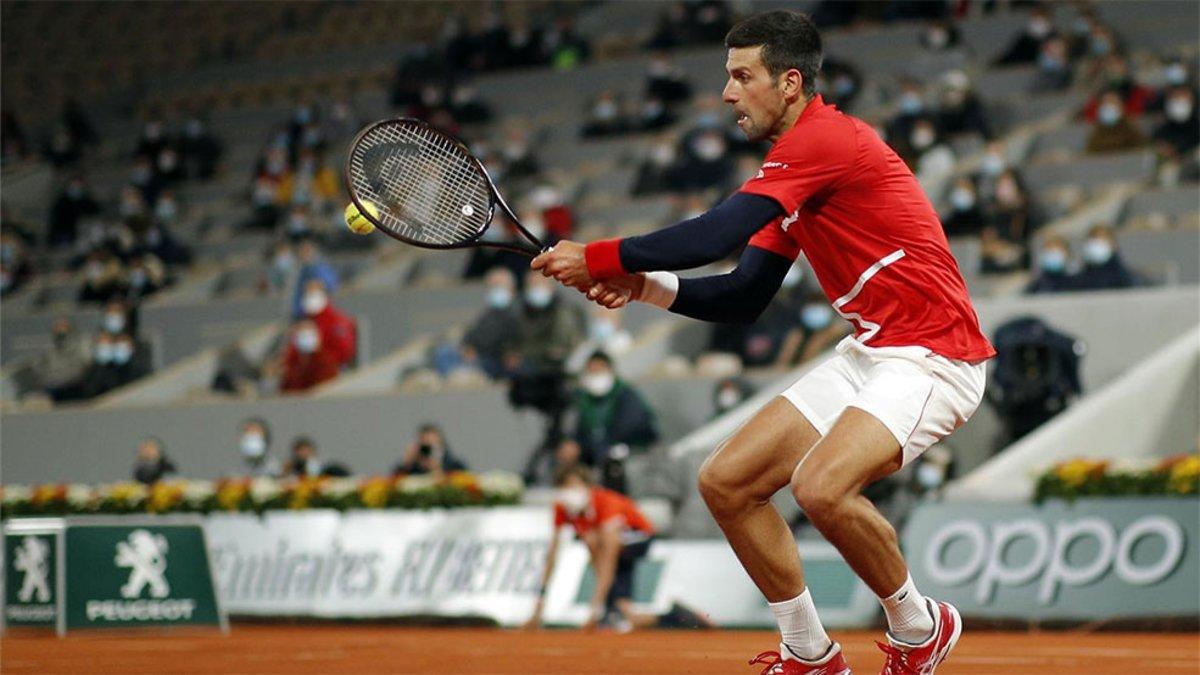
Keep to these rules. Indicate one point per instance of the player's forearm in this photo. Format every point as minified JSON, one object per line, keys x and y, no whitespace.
{"x":737,"y":297}
{"x":692,"y":243}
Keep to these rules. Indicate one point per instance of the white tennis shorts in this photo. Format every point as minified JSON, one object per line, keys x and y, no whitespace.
{"x":921,"y":397}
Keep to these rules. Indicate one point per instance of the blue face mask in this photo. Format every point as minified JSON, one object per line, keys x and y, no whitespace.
{"x":1097,"y":251}
{"x":911,"y":104}
{"x":1053,"y":260}
{"x":816,"y":316}
{"x":539,"y":297}
{"x":499,"y":297}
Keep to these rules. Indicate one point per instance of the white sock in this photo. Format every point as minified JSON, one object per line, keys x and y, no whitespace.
{"x":908,"y":615}
{"x":801,"y":628}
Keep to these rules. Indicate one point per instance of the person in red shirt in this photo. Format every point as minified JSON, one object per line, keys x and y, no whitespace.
{"x":617,"y":535}
{"x":338,"y":330}
{"x":912,"y":372}
{"x":307,"y":361}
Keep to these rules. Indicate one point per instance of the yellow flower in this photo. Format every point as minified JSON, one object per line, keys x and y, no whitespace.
{"x":1078,"y":471}
{"x":231,"y":493}
{"x":374,"y":492}
{"x":164,"y":496}
{"x":1184,"y":474}
{"x":303,"y":492}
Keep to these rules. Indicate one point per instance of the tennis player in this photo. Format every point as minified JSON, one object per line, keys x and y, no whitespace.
{"x":911,"y":374}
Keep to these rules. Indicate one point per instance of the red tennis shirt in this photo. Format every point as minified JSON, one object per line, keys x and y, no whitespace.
{"x":870,"y":234}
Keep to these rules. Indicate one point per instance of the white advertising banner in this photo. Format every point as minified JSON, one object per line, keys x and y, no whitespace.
{"x":482,"y":563}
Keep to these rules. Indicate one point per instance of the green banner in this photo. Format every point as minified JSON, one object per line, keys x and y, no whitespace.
{"x":138,"y":575}
{"x":31,"y":577}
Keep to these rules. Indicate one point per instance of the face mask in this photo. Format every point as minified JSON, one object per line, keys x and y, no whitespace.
{"x":843,"y":86}
{"x":938,"y":38}
{"x":153,"y":131}
{"x":605,"y":110}
{"x":728,"y":398}
{"x":575,"y":500}
{"x":1039,"y":28}
{"x":709,"y":148}
{"x":793,"y":277}
{"x":1097,"y":251}
{"x":276,"y":166}
{"x":499,"y":297}
{"x":1101,"y":46}
{"x":253,"y":446}
{"x":929,"y":476}
{"x":962,"y":199}
{"x":1006,"y":193}
{"x":167,"y":162}
{"x":140,"y":176}
{"x":652,"y":109}
{"x":297,"y":225}
{"x":114,"y":323}
{"x":922,"y":138}
{"x":165,"y":210}
{"x":194,"y":128}
{"x":314,"y":302}
{"x":283,"y":263}
{"x":911,"y":104}
{"x":137,"y":278}
{"x":598,"y":384}
{"x":601,"y":330}
{"x":662,"y":155}
{"x":1179,"y":109}
{"x":94,"y":270}
{"x":992,"y":165}
{"x":75,"y":191}
{"x":539,"y":297}
{"x":1109,"y":114}
{"x":1176,"y":73}
{"x":708,"y":120}
{"x":1054,"y":260}
{"x":816,"y":316}
{"x":122,"y":352}
{"x":1050,"y":62}
{"x":104,"y":353}
{"x":306,"y":341}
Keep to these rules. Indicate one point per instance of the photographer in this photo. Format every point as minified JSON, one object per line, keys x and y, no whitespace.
{"x":429,"y":454}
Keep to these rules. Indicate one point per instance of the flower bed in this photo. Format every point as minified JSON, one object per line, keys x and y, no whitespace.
{"x":1173,"y":476}
{"x":261,"y":494}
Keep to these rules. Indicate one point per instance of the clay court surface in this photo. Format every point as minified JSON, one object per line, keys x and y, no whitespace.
{"x":326,"y":649}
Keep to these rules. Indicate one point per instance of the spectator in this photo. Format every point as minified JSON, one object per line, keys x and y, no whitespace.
{"x":565,"y":48}
{"x":933,"y":159}
{"x":310,"y":184}
{"x":1114,"y":130}
{"x":666,"y":81}
{"x":933,"y":470}
{"x":910,"y":107}
{"x":147,"y":275}
{"x":103,"y":278}
{"x":761,"y":343}
{"x":146,"y":179}
{"x":548,"y":332}
{"x":15,"y":268}
{"x":966,"y":211}
{"x":820,"y":328}
{"x":157,"y":240}
{"x":1026,"y":47}
{"x":117,"y":361}
{"x":307,"y":361}
{"x":72,"y":205}
{"x":612,"y":420}
{"x":200,"y":149}
{"x":1034,"y":376}
{"x":304,"y":461}
{"x":338,"y":331}
{"x":312,"y":266}
{"x":1053,"y":275}
{"x":606,"y":116}
{"x":119,"y":317}
{"x":604,"y":334}
{"x":152,"y":463}
{"x":1103,"y":267}
{"x":153,"y":139}
{"x":839,"y":82}
{"x":1009,"y":223}
{"x":939,"y":36}
{"x":553,"y":212}
{"x":1054,"y":71}
{"x":729,"y":393}
{"x":1135,"y":99}
{"x":518,"y":154}
{"x":64,"y":362}
{"x":61,"y":149}
{"x":961,"y":110}
{"x":429,"y":454}
{"x":1179,"y":133}
{"x":544,"y":466}
{"x":659,"y":171}
{"x":707,"y":161}
{"x":254,"y":444}
{"x":492,"y":334}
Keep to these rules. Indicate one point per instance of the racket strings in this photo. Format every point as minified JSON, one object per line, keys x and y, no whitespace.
{"x":426,"y":187}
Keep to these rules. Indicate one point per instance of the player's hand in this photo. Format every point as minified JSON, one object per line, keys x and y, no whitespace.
{"x":617,"y":292}
{"x":566,"y":263}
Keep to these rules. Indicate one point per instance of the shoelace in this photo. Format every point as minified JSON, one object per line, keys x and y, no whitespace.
{"x":772,"y":659}
{"x":897,"y":661}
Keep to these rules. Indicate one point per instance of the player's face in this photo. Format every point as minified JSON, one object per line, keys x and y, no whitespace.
{"x":756,"y":97}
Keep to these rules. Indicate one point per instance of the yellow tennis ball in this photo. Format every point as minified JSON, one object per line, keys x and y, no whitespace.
{"x":355,"y":220}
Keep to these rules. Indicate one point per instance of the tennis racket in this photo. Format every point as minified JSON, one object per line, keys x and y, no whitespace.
{"x":426,"y":188}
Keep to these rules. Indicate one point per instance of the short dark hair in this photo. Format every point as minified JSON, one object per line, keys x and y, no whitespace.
{"x":602,"y":356}
{"x":565,"y":472}
{"x":789,"y":40}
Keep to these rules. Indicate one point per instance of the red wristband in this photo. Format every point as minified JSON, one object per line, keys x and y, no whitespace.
{"x":604,"y":259}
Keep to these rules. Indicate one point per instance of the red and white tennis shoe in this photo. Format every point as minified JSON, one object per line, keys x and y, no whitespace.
{"x":832,"y":664}
{"x":924,"y":658}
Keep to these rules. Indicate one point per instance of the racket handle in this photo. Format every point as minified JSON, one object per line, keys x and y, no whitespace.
{"x":518,"y":247}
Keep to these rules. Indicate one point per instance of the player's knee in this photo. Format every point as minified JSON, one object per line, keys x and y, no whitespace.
{"x":718,"y":486}
{"x":815,"y":496}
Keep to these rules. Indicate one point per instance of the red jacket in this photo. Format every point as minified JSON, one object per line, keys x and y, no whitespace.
{"x":339,"y":334}
{"x":305,"y":371}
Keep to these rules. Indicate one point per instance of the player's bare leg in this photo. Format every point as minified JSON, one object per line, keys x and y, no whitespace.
{"x":737,"y":482}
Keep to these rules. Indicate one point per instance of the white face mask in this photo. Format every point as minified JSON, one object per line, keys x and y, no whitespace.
{"x":104,"y":353}
{"x":306,"y":341}
{"x":1109,"y":114}
{"x":499,"y":297}
{"x":929,"y":476}
{"x":574,"y":499}
{"x":114,"y":323}
{"x":598,"y":384}
{"x":728,"y":398}
{"x":992,"y":164}
{"x":539,"y":297}
{"x":122,"y":352}
{"x":922,"y":138}
{"x":253,"y":446}
{"x":708,"y":148}
{"x":1097,"y":251}
{"x":962,"y":199}
{"x":1179,"y":109}
{"x":314,"y":302}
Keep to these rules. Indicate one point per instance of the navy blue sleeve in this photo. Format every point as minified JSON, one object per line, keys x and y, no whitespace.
{"x":701,"y":240}
{"x":737,"y":297}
